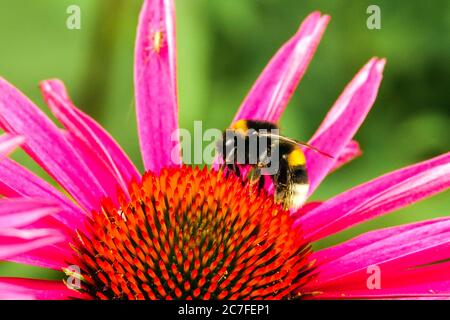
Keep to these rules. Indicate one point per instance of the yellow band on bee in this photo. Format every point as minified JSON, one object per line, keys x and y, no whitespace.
{"x":240,"y":125}
{"x":296,"y":158}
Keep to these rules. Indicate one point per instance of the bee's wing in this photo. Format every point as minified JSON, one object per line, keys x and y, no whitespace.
{"x":304,"y":144}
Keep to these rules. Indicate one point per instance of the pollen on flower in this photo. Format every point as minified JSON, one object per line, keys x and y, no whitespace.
{"x":192,"y":234}
{"x":157,"y":40}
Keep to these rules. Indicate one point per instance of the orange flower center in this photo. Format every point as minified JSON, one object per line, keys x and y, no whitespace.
{"x":193,"y":234}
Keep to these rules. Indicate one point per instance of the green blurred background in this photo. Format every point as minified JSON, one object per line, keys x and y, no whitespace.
{"x":222,"y":47}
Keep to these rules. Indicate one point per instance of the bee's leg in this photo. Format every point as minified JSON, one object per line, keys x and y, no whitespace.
{"x":261,"y":183}
{"x":236,"y":170}
{"x":230,"y":162}
{"x":281,"y":182}
{"x":232,"y":167}
{"x":228,"y":169}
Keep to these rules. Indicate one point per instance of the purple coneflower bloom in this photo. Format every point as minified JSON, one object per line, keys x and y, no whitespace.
{"x":181,"y":232}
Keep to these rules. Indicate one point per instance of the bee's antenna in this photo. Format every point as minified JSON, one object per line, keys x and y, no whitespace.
{"x":303,"y":144}
{"x":314,"y":149}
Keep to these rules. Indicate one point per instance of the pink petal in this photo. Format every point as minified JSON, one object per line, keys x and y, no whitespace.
{"x":274,"y":88}
{"x":380,"y":196}
{"x":8,"y":143}
{"x":393,"y":250}
{"x":16,"y":242}
{"x":423,"y":275}
{"x":16,"y":213}
{"x":156,"y":86}
{"x":124,"y":164}
{"x":16,"y":181}
{"x":349,"y":153}
{"x":23,"y":234}
{"x":47,"y":146}
{"x":93,"y":160}
{"x":333,"y":253}
{"x":343,"y":120}
{"x":53,"y":256}
{"x":429,"y":282}
{"x":31,"y":229}
{"x":31,"y":289}
{"x":307,"y":207}
{"x":429,"y":291}
{"x":89,"y":132}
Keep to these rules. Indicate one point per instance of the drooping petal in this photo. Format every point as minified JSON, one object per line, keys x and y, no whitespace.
{"x":349,"y":153}
{"x":343,"y":120}
{"x":26,"y":224}
{"x":156,"y":86}
{"x":428,"y":291}
{"x":427,"y":282}
{"x":48,"y":147}
{"x":307,"y":207}
{"x":379,"y":196}
{"x":8,"y":143}
{"x":330,"y":254}
{"x":28,"y":289}
{"x":393,"y":250}
{"x":274,"y":88}
{"x":15,"y":213}
{"x":14,"y":242}
{"x":30,"y":231}
{"x":89,"y":132}
{"x":53,"y":256}
{"x":434,"y":277}
{"x":9,"y":235}
{"x":17,"y":181}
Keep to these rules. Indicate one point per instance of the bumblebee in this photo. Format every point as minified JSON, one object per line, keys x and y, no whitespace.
{"x":259,"y":145}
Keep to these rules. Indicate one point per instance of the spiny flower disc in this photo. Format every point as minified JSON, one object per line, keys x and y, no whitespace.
{"x":192,"y":234}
